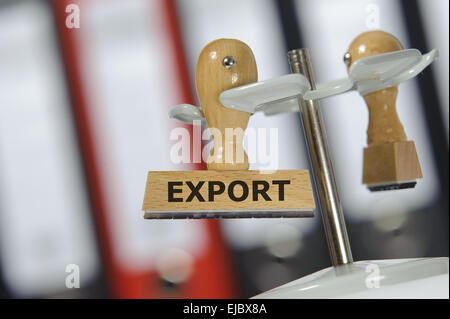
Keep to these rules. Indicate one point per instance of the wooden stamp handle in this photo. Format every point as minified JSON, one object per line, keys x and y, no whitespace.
{"x":384,"y":123}
{"x":390,"y":160}
{"x":224,"y":64}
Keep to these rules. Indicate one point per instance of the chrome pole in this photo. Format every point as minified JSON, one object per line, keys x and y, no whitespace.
{"x":327,"y":193}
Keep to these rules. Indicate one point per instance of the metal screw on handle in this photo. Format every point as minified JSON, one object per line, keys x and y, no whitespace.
{"x":322,"y":168}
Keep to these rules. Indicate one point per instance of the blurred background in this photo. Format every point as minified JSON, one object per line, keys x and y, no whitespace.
{"x":83,"y":117}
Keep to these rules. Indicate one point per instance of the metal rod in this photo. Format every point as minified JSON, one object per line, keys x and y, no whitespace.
{"x":327,"y":193}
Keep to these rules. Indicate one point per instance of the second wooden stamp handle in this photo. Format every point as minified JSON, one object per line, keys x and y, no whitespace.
{"x":384,"y":123}
{"x":390,"y":160}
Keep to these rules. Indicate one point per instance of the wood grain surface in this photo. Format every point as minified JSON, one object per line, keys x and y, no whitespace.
{"x":390,"y":163}
{"x":281,"y":191}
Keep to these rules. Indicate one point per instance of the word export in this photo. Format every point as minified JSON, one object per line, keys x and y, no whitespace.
{"x":259,"y":189}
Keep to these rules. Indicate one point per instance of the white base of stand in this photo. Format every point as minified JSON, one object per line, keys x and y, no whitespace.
{"x":396,"y":278}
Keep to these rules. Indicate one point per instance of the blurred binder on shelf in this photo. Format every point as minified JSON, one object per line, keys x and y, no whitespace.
{"x":116,"y":90}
